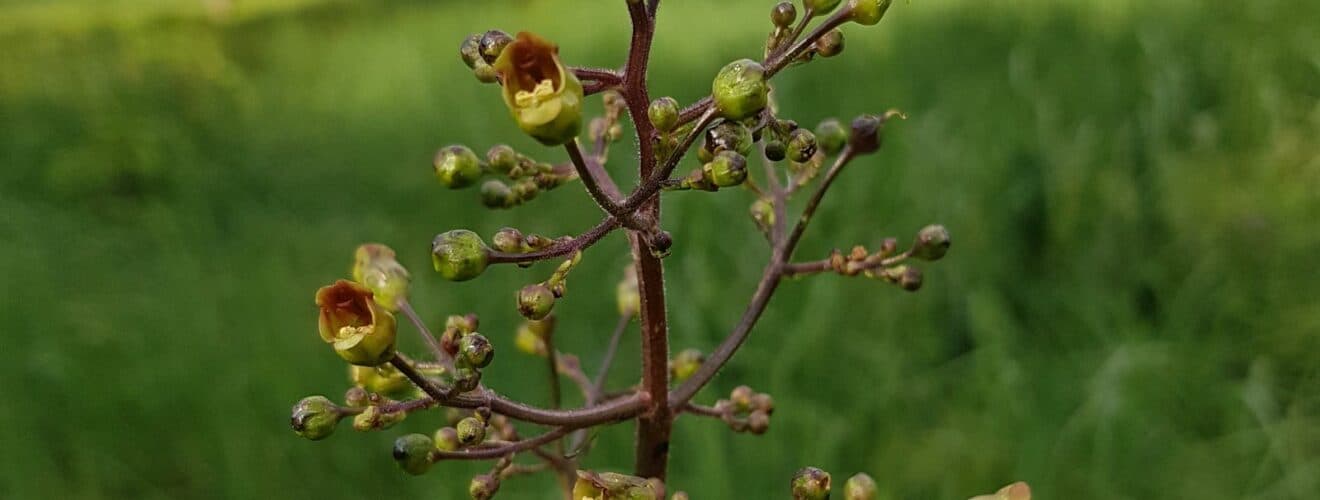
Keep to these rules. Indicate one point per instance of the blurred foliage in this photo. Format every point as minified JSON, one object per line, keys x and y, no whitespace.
{"x":1131,"y":308}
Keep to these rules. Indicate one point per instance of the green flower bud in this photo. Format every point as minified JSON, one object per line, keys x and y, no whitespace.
{"x":1015,"y":491}
{"x":315,"y":418}
{"x":496,"y":194}
{"x":801,"y":145}
{"x":664,"y":113}
{"x":501,"y":158}
{"x":758,"y":422}
{"x":466,"y":379}
{"x":470,"y":50}
{"x":685,"y":364}
{"x":492,"y":44}
{"x":374,"y":265}
{"x":525,"y":190}
{"x":783,"y":14}
{"x":830,"y":136}
{"x":810,"y":483}
{"x":932,"y":243}
{"x":508,"y":240}
{"x":820,"y":7}
{"x":413,"y":453}
{"x":459,"y":255}
{"x":535,"y":301}
{"x":741,"y":397}
{"x":471,"y":431}
{"x":763,"y":214}
{"x":361,"y":331}
{"x":726,"y":170}
{"x":866,"y":134}
{"x":446,"y":439}
{"x":483,"y":487}
{"x":544,"y":97}
{"x":476,"y":350}
{"x":830,"y":44}
{"x":740,"y":89}
{"x":868,"y":12}
{"x":859,"y":487}
{"x":373,"y":418}
{"x":907,"y":277}
{"x":728,"y":136}
{"x":775,"y":150}
{"x":457,"y":167}
{"x":383,"y":379}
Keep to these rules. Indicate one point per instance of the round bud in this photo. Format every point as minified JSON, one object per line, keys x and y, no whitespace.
{"x":501,"y":158}
{"x":471,"y":431}
{"x":659,"y":242}
{"x":783,"y":14}
{"x":932,"y":243}
{"x":775,"y":150}
{"x":830,"y":136}
{"x":466,"y":379}
{"x":763,"y":402}
{"x":663,"y":113}
{"x":483,"y":487}
{"x":457,"y":167}
{"x":810,"y":483}
{"x":476,"y":350}
{"x":459,"y":255}
{"x":758,"y":422}
{"x":685,"y":364}
{"x":868,"y":12}
{"x":446,"y":439}
{"x":866,"y":134}
{"x":412,"y":453}
{"x":728,"y":136}
{"x":314,"y":417}
{"x":740,"y":89}
{"x":801,"y":145}
{"x":470,"y":50}
{"x":830,"y":44}
{"x":741,"y":397}
{"x":492,"y":44}
{"x":907,"y":277}
{"x":465,"y":323}
{"x":508,"y":240}
{"x":820,"y":7}
{"x":535,"y":301}
{"x":726,"y":170}
{"x":524,"y":189}
{"x":356,"y":397}
{"x":859,"y":487}
{"x":763,"y":214}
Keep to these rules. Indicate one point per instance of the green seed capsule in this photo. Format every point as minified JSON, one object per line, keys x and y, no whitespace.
{"x":810,"y":483}
{"x":476,"y":350}
{"x":728,"y":136}
{"x":314,"y":418}
{"x":459,"y":255}
{"x":801,"y":145}
{"x":932,"y":243}
{"x":868,"y":12}
{"x":831,"y":136}
{"x":740,"y":89}
{"x":457,"y":167}
{"x":471,"y":431}
{"x":726,"y":170}
{"x":663,"y":113}
{"x":446,"y":439}
{"x":412,"y":453}
{"x":535,"y":301}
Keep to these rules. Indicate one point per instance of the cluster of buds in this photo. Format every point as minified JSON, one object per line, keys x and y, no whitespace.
{"x":613,"y":486}
{"x":811,"y":483}
{"x":470,"y":351}
{"x":746,"y":410}
{"x":523,"y":177}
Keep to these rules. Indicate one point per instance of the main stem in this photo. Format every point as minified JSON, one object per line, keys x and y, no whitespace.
{"x":655,"y":423}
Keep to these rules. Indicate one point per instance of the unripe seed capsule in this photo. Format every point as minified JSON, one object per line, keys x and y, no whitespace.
{"x":535,"y":301}
{"x":459,"y":255}
{"x":801,"y":145}
{"x":740,"y":89}
{"x":412,"y":453}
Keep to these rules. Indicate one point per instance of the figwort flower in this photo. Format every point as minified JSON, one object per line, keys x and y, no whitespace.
{"x":361,"y":331}
{"x":544,"y":96}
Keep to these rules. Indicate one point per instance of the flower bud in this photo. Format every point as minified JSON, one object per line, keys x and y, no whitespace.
{"x":446,"y":439}
{"x":471,"y":431}
{"x":483,"y":487}
{"x":361,"y":331}
{"x":741,"y":397}
{"x":383,"y":379}
{"x":932,"y":243}
{"x":1015,"y":491}
{"x":476,"y":350}
{"x":356,"y":397}
{"x":740,"y":89}
{"x":775,"y":150}
{"x":830,"y":44}
{"x":315,"y":418}
{"x":501,"y":158}
{"x":763,"y":402}
{"x":810,"y":483}
{"x":685,"y":364}
{"x":783,"y":14}
{"x":492,"y":44}
{"x":508,"y":240}
{"x":465,"y":323}
{"x":413,"y":453}
{"x":485,"y":73}
{"x":466,"y":379}
{"x":528,"y":341}
{"x":726,"y":170}
{"x":535,"y":301}
{"x":372,"y":418}
{"x":627,"y":295}
{"x":801,"y":145}
{"x":374,"y":265}
{"x":907,"y":277}
{"x":859,"y":487}
{"x":659,"y":242}
{"x":496,"y":194}
{"x":456,"y":167}
{"x":663,"y":113}
{"x":763,"y":214}
{"x":459,"y":255}
{"x":728,"y":136}
{"x":544,"y":97}
{"x":470,"y":50}
{"x":830,"y":136}
{"x":866,"y":134}
{"x":868,"y":12}
{"x":758,"y":422}
{"x":820,"y":7}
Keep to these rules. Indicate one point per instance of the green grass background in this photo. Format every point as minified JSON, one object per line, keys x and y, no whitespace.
{"x":1131,"y":307}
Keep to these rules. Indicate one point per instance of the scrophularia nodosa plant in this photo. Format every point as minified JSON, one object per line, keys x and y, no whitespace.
{"x":732,"y":129}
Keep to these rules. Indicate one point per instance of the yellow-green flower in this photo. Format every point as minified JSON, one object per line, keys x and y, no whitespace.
{"x":361,"y":331}
{"x":544,"y":96}
{"x":374,"y":265}
{"x":384,"y":379}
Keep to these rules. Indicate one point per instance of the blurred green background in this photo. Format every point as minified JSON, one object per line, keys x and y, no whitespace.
{"x":1131,"y":308}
